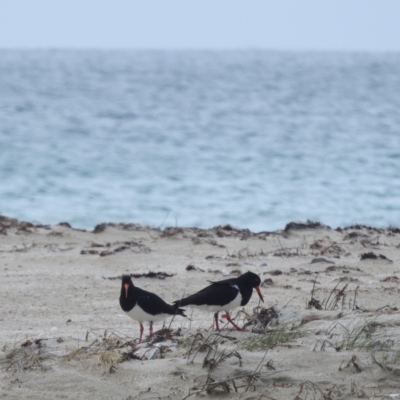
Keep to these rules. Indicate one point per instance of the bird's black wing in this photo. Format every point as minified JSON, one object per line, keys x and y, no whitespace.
{"x":230,"y":281}
{"x":153,"y":304}
{"x":218,"y":293}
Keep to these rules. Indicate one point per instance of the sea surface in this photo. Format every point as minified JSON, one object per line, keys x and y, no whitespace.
{"x":200,"y":138}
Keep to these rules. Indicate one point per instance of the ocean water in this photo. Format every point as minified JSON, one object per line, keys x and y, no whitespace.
{"x":200,"y":138}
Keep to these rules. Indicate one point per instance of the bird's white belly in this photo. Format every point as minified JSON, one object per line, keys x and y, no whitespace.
{"x":139,"y":315}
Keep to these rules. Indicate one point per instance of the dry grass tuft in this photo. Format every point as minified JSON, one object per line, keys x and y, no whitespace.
{"x":362,"y":336}
{"x":283,"y":334}
{"x":238,"y":383}
{"x":29,"y":355}
{"x":388,"y":362}
{"x":109,"y":349}
{"x":199,"y":343}
{"x":109,"y":359}
{"x":336,"y":297}
{"x":310,"y":390}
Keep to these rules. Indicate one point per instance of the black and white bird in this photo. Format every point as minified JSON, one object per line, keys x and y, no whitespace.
{"x":224,"y":296}
{"x":142,"y":305}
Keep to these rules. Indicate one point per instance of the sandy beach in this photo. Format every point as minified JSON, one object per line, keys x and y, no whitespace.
{"x":329,"y":327}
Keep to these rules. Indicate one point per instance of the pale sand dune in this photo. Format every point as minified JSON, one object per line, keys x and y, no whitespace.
{"x":55,"y":286}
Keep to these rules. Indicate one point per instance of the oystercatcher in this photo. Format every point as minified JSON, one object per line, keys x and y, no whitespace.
{"x":141,"y":305}
{"x":224,"y":296}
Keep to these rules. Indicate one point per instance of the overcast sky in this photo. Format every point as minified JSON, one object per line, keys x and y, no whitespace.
{"x":208,"y":24}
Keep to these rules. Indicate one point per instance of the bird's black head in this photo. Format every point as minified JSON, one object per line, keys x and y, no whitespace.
{"x":126,"y":285}
{"x":127,"y":298}
{"x":250,"y":278}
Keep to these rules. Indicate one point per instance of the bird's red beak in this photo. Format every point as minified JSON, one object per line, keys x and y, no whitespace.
{"x":259,"y":293}
{"x":126,"y":286}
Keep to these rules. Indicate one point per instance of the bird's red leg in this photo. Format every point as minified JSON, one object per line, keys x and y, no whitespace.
{"x":216,"y":320}
{"x":151,"y":328}
{"x":141,"y":332}
{"x":228,"y":317}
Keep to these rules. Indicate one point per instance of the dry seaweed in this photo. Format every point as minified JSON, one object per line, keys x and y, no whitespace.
{"x":171,"y":231}
{"x":165,"y":334}
{"x":261,"y":319}
{"x":126,"y":227}
{"x":150,"y":274}
{"x":314,"y":303}
{"x":305,"y":225}
{"x":373,"y":256}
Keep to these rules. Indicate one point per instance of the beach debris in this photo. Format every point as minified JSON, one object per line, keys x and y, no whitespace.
{"x":261,"y":318}
{"x":352,"y":236}
{"x":192,"y":267}
{"x":353,"y":366}
{"x":389,"y":363}
{"x":314,"y":303}
{"x":335,"y":296}
{"x":171,"y":231}
{"x":165,"y":335}
{"x":267,"y":282}
{"x":321,"y":260}
{"x":287,"y":252}
{"x":392,"y":278}
{"x":29,"y":355}
{"x":291,"y":226}
{"x":150,"y":274}
{"x":373,"y":256}
{"x":126,"y":227}
{"x":304,"y":272}
{"x":152,"y":353}
{"x":108,"y":349}
{"x":232,"y":264}
{"x":345,"y":269}
{"x":108,"y":360}
{"x":347,"y":278}
{"x":65,"y":224}
{"x":310,"y":390}
{"x":196,"y":240}
{"x":326,"y":246}
{"x":213,"y":242}
{"x":83,"y":252}
{"x":135,"y":247}
{"x":275,"y":272}
{"x":20,"y":227}
{"x":235,"y":382}
{"x":100,"y":228}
